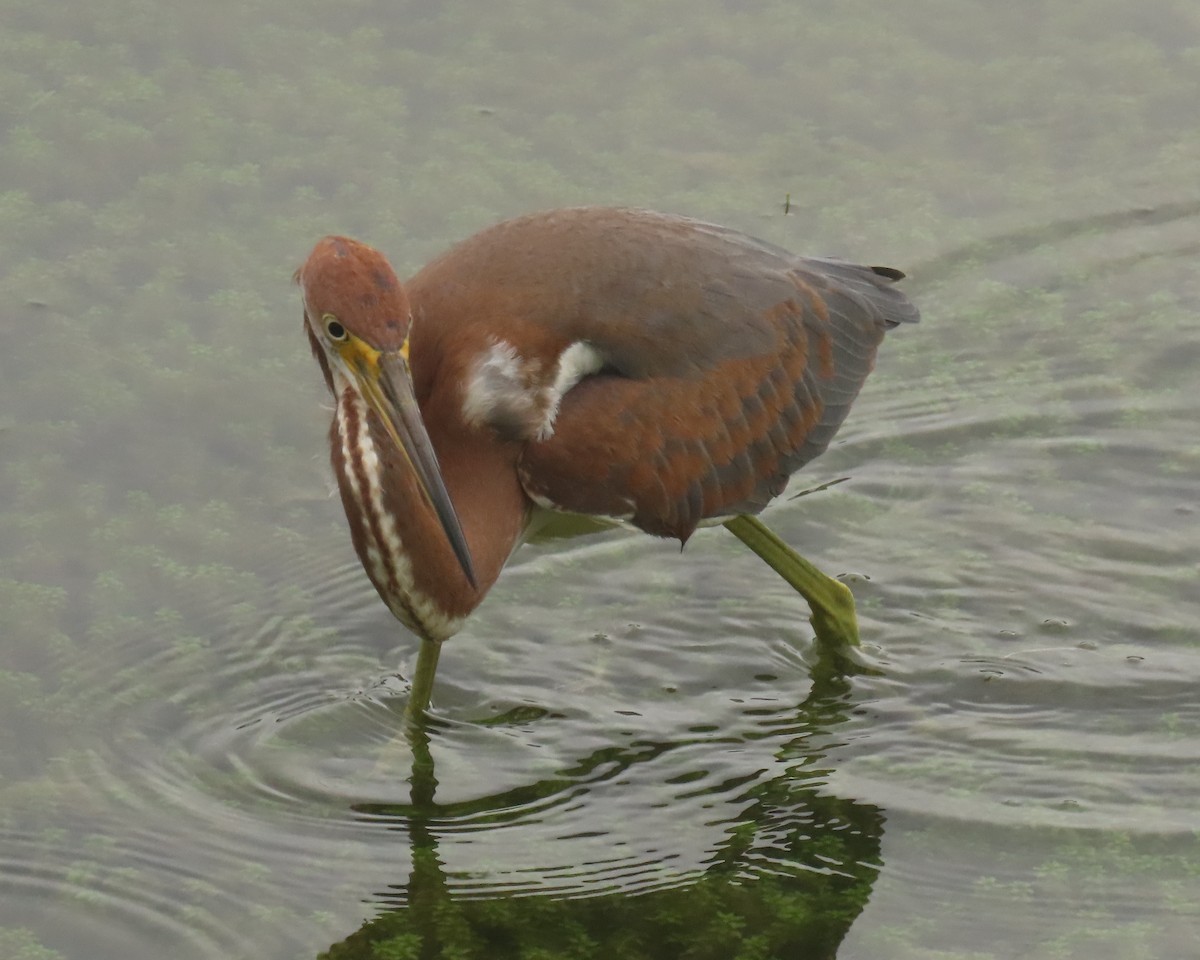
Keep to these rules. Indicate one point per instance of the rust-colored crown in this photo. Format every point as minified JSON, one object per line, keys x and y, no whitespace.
{"x":356,"y":284}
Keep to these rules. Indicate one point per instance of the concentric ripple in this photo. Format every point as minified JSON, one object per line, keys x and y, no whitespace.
{"x":1018,"y":528}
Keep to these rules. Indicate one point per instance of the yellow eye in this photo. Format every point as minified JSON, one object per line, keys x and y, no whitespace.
{"x":335,"y":330}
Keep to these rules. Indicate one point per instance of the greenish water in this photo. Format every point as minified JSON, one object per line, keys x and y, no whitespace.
{"x":637,"y":753}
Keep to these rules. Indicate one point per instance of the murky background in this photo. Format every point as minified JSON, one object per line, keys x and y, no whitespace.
{"x":637,"y":754}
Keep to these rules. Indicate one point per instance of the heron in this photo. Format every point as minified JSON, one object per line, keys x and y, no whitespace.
{"x":616,"y":365}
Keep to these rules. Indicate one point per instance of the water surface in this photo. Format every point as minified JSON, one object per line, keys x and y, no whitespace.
{"x":635,"y":753}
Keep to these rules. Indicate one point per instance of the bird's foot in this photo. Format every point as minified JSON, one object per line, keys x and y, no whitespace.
{"x":831,"y":602}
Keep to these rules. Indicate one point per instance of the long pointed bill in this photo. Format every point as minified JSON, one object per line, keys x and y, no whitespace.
{"x":386,"y":385}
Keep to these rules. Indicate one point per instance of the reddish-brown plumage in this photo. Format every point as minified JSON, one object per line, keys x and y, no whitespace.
{"x":348,"y":279}
{"x":725,"y":364}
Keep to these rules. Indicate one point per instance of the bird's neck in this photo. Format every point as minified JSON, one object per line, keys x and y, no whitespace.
{"x":398,"y":535}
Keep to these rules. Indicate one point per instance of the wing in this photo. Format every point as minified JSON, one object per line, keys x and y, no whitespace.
{"x":727,"y":362}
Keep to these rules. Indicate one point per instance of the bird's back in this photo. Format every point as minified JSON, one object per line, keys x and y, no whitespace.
{"x":726,"y":363}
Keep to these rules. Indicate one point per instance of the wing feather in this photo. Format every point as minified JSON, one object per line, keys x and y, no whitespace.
{"x":728,"y":363}
{"x":669,"y":445}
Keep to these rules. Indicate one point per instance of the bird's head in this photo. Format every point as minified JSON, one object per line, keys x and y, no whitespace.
{"x":358,"y":318}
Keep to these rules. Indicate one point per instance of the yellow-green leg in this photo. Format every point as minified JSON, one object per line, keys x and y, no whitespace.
{"x":422,"y":684}
{"x":830,"y":600}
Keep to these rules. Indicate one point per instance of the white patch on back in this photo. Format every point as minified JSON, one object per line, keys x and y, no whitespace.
{"x":496,"y":383}
{"x":513,"y":396}
{"x":579,"y":360}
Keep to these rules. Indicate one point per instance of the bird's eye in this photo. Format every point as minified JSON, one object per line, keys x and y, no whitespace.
{"x":335,"y":330}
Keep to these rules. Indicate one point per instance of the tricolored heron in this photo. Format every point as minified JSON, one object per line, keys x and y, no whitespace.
{"x":614,"y":363}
